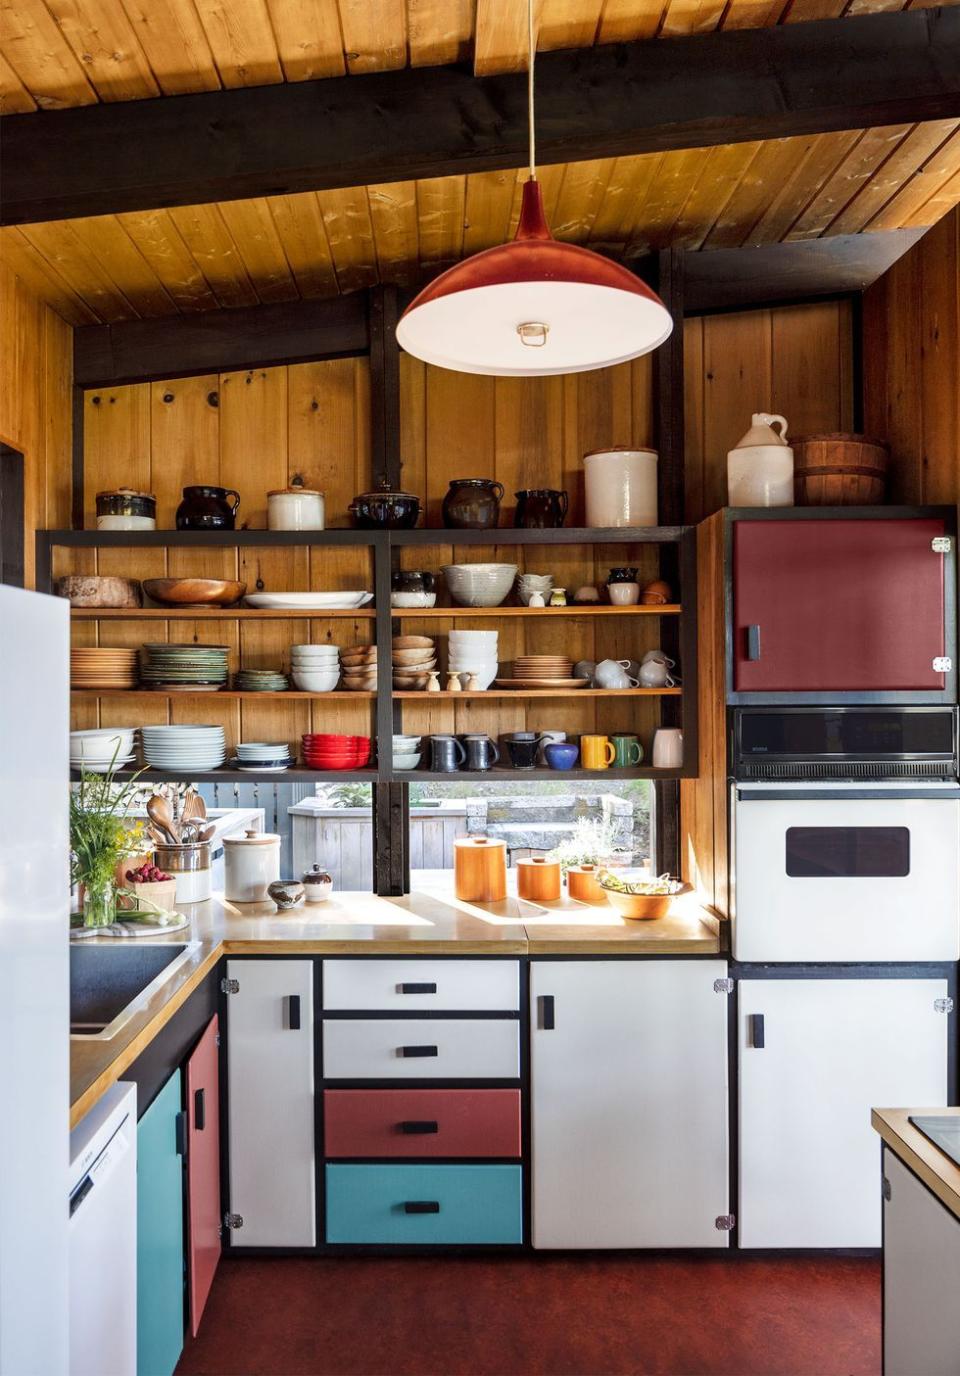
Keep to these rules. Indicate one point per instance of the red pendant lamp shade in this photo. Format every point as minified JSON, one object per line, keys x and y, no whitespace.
{"x":533,"y":307}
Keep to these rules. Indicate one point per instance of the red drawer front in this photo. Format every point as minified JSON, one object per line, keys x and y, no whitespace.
{"x":399,"y":1122}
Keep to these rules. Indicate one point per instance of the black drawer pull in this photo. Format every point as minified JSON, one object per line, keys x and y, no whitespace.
{"x":547,"y":1020}
{"x":421,"y":1206}
{"x":418,"y":988}
{"x":753,"y":642}
{"x":294,"y":1001}
{"x":199,"y":1110}
{"x":756,"y":1031}
{"x":412,"y":1128}
{"x":419,"y":1051}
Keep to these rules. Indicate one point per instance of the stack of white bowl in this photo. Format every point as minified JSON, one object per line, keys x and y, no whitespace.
{"x":473,"y":652}
{"x":100,"y":750}
{"x":529,"y":583}
{"x":184,"y":748}
{"x":406,"y":752}
{"x":316,"y":668}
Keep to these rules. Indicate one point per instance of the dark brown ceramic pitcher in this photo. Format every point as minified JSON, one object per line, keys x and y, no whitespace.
{"x":472,"y":504}
{"x":540,"y":508}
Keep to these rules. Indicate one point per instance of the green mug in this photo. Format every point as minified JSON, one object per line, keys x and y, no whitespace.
{"x":628,"y":750}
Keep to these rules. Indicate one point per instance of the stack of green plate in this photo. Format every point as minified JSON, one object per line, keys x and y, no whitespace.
{"x":184,"y":668}
{"x":261,"y":681}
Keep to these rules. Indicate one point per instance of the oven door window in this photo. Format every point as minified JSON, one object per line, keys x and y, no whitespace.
{"x":847,"y":852}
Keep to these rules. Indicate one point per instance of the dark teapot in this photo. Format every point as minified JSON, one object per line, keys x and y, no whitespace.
{"x":208,"y":508}
{"x":540,"y":508}
{"x":472,"y":504}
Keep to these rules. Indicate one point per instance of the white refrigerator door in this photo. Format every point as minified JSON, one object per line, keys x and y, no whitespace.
{"x":832,"y":1050}
{"x":271,"y":1103}
{"x":910,"y":916}
{"x":629,"y":1145}
{"x":34,"y":981}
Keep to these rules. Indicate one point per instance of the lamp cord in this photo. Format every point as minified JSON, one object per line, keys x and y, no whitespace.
{"x":531,"y":55}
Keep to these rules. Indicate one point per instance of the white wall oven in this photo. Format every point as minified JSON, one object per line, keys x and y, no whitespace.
{"x":846,"y":834}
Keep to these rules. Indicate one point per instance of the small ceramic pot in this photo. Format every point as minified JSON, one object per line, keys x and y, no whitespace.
{"x":623,"y":594}
{"x":286,"y":893}
{"x":295,"y":508}
{"x":561,"y":754}
{"x":317,"y":885}
{"x":472,"y":504}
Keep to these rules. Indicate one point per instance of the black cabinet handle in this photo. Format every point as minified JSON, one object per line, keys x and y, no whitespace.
{"x":180,"y":1132}
{"x":756,"y":1031}
{"x":547,"y":1022}
{"x":294,"y":1001}
{"x":418,"y":988}
{"x":419,"y":1051}
{"x":753,"y":642}
{"x":199,"y":1109}
{"x":421,"y":1206}
{"x":412,"y":1128}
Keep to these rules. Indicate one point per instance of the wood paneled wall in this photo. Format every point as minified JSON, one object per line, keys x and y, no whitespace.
{"x":36,"y":363}
{"x":911,"y":363}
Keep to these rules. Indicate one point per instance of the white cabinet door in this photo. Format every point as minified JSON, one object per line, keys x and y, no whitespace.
{"x":832,"y":1050}
{"x":921,"y":1278}
{"x":271,"y":1103}
{"x":629,"y":1093}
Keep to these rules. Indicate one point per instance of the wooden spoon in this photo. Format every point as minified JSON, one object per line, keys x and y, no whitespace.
{"x":194,"y":808}
{"x":161,"y":814}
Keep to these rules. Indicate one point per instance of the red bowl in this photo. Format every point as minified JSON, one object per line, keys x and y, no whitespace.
{"x":330,"y":740}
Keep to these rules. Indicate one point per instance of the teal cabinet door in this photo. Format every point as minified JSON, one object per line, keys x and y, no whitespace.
{"x":160,"y":1235}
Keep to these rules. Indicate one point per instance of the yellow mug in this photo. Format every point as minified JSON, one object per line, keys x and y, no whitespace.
{"x":597,"y":752}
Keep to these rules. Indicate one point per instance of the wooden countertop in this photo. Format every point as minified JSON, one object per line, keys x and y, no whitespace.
{"x":363,"y":924}
{"x":916,"y":1151}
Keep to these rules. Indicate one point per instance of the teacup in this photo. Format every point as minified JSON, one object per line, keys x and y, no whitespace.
{"x":668,"y":748}
{"x":653,"y":674}
{"x":612,"y":673}
{"x":660,"y":658}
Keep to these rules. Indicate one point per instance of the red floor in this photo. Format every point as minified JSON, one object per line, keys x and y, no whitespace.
{"x":549,"y":1316}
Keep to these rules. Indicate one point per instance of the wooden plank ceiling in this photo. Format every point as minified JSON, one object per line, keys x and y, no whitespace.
{"x":239,"y":253}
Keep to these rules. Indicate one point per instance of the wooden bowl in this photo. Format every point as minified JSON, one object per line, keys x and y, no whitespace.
{"x":413,"y":642}
{"x":416,"y":655}
{"x":642,"y":906}
{"x":194,"y":592}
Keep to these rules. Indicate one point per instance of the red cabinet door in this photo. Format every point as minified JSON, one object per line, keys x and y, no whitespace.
{"x":203,"y":1170}
{"x":837,"y":606}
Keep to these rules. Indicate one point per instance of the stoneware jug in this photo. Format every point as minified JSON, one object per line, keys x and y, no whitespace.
{"x":472,"y":504}
{"x":540,"y":508}
{"x":208,"y":508}
{"x":760,"y":467}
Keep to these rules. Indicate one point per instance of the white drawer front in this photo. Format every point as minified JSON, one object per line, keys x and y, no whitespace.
{"x":451,"y":986}
{"x":461,"y":1049}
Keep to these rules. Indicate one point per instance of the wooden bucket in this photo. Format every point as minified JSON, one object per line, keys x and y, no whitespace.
{"x":839,"y":470}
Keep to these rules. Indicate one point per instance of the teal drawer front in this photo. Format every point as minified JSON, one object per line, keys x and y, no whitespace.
{"x":474,"y":1204}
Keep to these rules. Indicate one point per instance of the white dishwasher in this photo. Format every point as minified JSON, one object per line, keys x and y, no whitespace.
{"x":102,"y":1249}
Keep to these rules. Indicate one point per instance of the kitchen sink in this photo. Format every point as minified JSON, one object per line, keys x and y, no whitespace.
{"x":109,"y":984}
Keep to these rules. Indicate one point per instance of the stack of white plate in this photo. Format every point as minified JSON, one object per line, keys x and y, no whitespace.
{"x":316,"y":668}
{"x":473,"y":652}
{"x":100,"y":750}
{"x":262,"y":757}
{"x":184,"y":748}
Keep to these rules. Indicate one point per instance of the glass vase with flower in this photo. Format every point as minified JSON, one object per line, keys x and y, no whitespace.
{"x":100,"y":838}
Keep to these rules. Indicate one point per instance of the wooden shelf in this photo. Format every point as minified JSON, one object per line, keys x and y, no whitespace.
{"x":340,"y":695}
{"x":504,"y":774}
{"x":294,"y":775}
{"x":411,"y":613}
{"x":215,"y":614}
{"x":521,"y":693}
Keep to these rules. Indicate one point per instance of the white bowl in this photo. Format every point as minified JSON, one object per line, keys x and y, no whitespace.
{"x":102,"y":747}
{"x":413,"y":599}
{"x":314,"y":649}
{"x":479,"y":585}
{"x":95,"y":731}
{"x":473,"y":637}
{"x":309,"y":682}
{"x":321,"y":652}
{"x":406,"y":744}
{"x":406,"y":761}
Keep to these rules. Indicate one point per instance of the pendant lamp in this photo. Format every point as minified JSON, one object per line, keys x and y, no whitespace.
{"x":533,"y":307}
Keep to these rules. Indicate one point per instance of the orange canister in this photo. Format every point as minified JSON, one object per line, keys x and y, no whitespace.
{"x":538,"y":878}
{"x":480,"y":869}
{"x":582,"y":884}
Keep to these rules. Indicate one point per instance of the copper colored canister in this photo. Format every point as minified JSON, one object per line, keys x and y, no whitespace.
{"x":538,"y":879}
{"x":480,"y":869}
{"x":582,"y":884}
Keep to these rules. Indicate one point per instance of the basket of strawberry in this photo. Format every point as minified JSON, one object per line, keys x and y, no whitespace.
{"x":152,"y":888}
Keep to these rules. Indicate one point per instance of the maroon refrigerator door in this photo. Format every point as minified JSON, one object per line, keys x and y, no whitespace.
{"x":837,"y":606}
{"x":203,"y":1170}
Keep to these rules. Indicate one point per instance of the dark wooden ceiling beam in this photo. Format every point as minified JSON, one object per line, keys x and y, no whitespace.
{"x":392,"y":126}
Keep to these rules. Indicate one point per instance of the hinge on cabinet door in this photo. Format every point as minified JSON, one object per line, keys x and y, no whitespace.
{"x":725,"y":1223}
{"x":233,"y":1220}
{"x":942,"y":664}
{"x":229,"y":986}
{"x":887,"y":1192}
{"x":723,"y":986}
{"x":943,"y":1005}
{"x":941,"y":544}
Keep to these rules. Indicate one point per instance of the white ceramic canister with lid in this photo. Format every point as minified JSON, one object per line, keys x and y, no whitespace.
{"x":251,"y":863}
{"x":295,"y":508}
{"x":760,"y":467}
{"x":621,"y":487}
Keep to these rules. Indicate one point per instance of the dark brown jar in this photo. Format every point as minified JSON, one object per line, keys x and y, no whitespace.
{"x":540,"y":508}
{"x":208,"y":508}
{"x":472,"y":504}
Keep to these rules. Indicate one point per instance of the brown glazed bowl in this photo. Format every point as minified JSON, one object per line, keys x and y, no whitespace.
{"x":194,"y":592}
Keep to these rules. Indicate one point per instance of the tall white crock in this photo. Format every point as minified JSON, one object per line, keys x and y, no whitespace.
{"x":250,"y":863}
{"x":621,"y":487}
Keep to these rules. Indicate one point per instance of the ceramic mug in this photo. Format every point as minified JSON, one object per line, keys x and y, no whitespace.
{"x":627,"y":751}
{"x":654,"y":674}
{"x":481,"y":752}
{"x":668,"y":748}
{"x":597,"y":752}
{"x":446,"y":754}
{"x":612,"y":673}
{"x":660,"y":658}
{"x":550,"y":738}
{"x":623,"y":594}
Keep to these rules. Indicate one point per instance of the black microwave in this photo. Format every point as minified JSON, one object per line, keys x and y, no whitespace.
{"x":849,"y":743}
